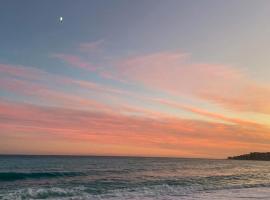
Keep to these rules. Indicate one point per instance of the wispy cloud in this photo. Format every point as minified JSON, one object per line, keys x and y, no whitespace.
{"x":83,"y":110}
{"x":76,"y":61}
{"x":207,"y":114}
{"x":28,"y":84}
{"x":38,"y":84}
{"x":20,"y":71}
{"x":177,"y":74}
{"x":91,"y":47}
{"x":118,"y":129}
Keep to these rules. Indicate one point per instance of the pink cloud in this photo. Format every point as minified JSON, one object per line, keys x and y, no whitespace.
{"x":80,"y":119}
{"x":20,"y":71}
{"x":21,"y":76}
{"x":251,"y":97}
{"x":206,"y":113}
{"x":75,"y":61}
{"x":91,"y":47}
{"x":36,"y":87}
{"x":176,"y":74}
{"x":41,"y":91}
{"x":161,"y":134}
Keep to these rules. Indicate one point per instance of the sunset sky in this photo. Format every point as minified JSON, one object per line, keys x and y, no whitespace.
{"x":145,"y":78}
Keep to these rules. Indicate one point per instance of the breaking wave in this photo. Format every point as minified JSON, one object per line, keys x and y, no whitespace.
{"x":144,"y":193}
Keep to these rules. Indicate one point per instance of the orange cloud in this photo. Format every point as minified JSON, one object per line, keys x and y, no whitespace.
{"x":207,"y":113}
{"x":105,"y":129}
{"x":101,"y":128}
{"x":176,"y":74}
{"x":26,"y":81}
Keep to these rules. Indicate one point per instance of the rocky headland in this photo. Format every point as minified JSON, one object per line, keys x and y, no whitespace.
{"x":252,"y":156}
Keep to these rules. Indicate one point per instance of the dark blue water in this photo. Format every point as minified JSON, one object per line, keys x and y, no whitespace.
{"x":60,"y":177}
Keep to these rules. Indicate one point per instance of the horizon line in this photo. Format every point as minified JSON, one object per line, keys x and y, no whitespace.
{"x":124,"y":156}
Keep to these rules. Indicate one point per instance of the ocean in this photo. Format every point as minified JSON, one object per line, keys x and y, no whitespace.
{"x":119,"y":178}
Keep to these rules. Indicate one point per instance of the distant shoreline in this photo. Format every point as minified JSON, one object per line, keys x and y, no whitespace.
{"x":259,"y":156}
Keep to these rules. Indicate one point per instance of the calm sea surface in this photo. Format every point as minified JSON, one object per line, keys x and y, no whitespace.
{"x":46,"y":177}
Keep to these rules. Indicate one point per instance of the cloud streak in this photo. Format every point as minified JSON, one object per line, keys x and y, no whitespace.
{"x":175,"y":73}
{"x":91,"y":47}
{"x":65,"y":110}
{"x":113,"y":128}
{"x":76,"y":61}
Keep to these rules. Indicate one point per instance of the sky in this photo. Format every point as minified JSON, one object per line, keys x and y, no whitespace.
{"x":175,"y":78}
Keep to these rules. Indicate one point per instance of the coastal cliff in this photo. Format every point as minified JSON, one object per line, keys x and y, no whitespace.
{"x":252,"y":156}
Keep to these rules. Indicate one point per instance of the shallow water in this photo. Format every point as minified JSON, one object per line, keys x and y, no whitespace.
{"x":45,"y":177}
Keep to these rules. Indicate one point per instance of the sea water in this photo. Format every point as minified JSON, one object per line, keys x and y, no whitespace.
{"x":118,"y":178}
